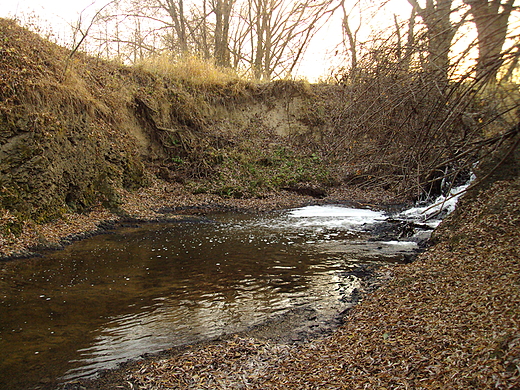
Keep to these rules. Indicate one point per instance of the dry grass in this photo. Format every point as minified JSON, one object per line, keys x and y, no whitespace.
{"x":189,"y":68}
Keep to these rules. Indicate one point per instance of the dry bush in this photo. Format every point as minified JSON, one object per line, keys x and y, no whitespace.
{"x":408,"y":130}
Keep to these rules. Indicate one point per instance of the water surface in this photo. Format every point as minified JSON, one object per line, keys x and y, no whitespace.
{"x":144,"y":289}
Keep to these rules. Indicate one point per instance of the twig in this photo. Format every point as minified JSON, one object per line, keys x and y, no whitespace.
{"x":83,"y":34}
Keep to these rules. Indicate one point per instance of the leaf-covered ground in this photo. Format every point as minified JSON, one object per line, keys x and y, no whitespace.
{"x":449,"y":320}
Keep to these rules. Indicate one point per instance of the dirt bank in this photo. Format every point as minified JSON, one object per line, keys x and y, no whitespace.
{"x":78,"y":134}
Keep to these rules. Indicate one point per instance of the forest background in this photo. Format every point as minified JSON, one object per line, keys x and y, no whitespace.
{"x":261,"y":38}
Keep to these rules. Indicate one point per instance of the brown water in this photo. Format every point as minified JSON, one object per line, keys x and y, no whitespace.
{"x":114,"y":297}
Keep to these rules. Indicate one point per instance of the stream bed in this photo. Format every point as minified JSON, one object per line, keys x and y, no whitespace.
{"x":143,"y":289}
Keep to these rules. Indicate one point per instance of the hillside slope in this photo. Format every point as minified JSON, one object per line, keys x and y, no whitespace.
{"x":77,"y":132}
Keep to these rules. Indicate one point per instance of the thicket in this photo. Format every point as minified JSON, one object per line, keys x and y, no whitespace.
{"x":387,"y":123}
{"x":412,"y":130}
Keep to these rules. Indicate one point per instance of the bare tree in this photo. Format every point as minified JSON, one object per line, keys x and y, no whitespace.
{"x":222,"y":10}
{"x":491,"y":20}
{"x":350,"y":35}
{"x":280,"y":31}
{"x":240,"y":32}
{"x":175,"y":10}
{"x":267,"y":37}
{"x":126,"y":32}
{"x":410,"y":40}
{"x":440,"y":32}
{"x":514,"y":57}
{"x":80,"y":31}
{"x":404,"y":51}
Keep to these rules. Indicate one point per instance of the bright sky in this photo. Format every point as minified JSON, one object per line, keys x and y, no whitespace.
{"x":60,"y":13}
{"x":63,"y":9}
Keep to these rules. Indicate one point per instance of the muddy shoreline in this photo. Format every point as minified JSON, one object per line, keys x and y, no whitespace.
{"x":166,"y":202}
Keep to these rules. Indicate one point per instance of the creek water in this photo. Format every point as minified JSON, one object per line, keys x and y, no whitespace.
{"x":137,"y":290}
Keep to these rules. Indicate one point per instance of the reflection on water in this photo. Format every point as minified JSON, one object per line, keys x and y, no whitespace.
{"x":114,"y":297}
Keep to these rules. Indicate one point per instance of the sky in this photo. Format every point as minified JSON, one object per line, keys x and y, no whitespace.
{"x":61,"y":9}
{"x":318,"y":61}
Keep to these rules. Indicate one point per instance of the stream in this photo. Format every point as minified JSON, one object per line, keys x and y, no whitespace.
{"x":143,"y":289}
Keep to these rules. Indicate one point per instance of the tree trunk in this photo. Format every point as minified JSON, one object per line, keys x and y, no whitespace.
{"x":410,"y":41}
{"x":351,"y":39}
{"x":440,"y":33}
{"x":175,"y":9}
{"x":222,"y":11}
{"x":491,"y":21}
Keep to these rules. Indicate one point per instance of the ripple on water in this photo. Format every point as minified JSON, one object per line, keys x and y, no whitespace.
{"x":114,"y":297}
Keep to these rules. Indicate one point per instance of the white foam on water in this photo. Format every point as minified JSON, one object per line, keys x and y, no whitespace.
{"x":404,"y":244}
{"x":340,"y":217}
{"x":433,"y":213}
{"x":331,"y":216}
{"x":334,"y":211}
